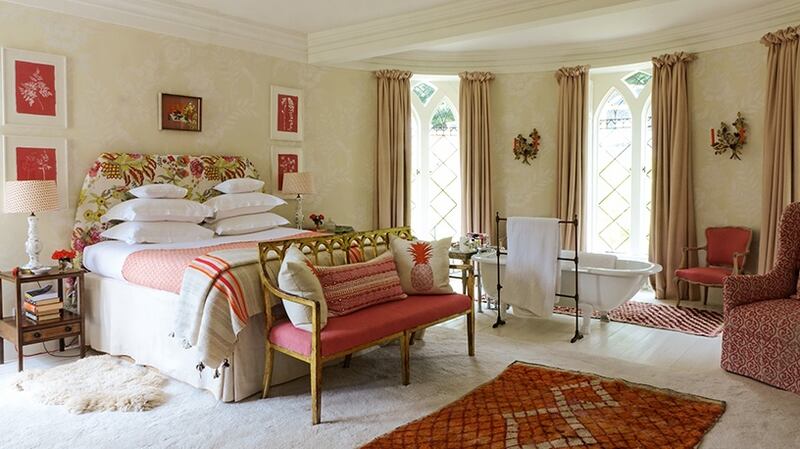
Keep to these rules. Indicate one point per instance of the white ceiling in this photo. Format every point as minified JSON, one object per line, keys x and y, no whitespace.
{"x":447,"y":36}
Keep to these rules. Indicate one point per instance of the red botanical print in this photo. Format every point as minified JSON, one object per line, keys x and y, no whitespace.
{"x":287,"y":113}
{"x":287,"y":163}
{"x":36,"y":164}
{"x":35,"y":88}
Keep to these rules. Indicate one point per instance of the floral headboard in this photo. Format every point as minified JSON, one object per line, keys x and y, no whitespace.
{"x":113,"y":174}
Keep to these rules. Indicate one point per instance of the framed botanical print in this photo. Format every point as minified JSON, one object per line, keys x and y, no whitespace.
{"x":37,"y":159}
{"x":284,"y":160}
{"x":286,"y":113}
{"x":180,"y":112}
{"x":34,"y":88}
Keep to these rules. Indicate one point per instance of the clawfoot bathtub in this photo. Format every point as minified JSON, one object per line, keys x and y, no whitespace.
{"x":606,"y":281}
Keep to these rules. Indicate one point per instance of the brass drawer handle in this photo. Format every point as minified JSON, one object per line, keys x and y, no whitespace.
{"x":37,"y":334}
{"x":68,"y":329}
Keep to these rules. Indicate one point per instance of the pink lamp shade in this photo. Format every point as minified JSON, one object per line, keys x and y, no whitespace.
{"x":30,"y":196}
{"x":298,"y":183}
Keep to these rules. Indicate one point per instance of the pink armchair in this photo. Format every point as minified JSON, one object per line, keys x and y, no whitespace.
{"x":762,"y":315}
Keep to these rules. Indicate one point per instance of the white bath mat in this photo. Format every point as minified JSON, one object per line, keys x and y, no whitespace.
{"x":99,"y":383}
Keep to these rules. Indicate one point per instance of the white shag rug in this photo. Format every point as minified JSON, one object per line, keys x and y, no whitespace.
{"x":367,"y":400}
{"x":92,"y":384}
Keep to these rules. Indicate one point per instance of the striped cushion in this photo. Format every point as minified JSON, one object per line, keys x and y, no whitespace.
{"x":348,"y":288}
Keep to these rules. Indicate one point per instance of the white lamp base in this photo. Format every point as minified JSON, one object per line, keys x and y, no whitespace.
{"x":298,"y":212}
{"x":32,"y":246}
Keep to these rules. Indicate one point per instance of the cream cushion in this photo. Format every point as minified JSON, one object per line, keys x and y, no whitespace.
{"x":148,"y":209}
{"x":424,"y":267}
{"x":296,"y":277}
{"x":157,"y":232}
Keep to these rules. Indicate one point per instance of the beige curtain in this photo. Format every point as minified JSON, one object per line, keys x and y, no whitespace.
{"x":393,"y":171}
{"x":475,"y":130}
{"x":573,"y":89}
{"x":781,"y":166}
{"x":672,"y":225}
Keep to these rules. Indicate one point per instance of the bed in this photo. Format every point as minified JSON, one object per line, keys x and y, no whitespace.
{"x":134,"y":295}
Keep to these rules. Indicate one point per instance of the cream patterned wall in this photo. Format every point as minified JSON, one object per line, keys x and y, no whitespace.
{"x":115,"y":74}
{"x":721,"y":82}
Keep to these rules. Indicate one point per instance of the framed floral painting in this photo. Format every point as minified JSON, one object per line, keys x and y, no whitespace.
{"x":286,"y":113}
{"x":284,"y":160}
{"x":36,"y":159}
{"x":34,"y":88}
{"x":180,"y":112}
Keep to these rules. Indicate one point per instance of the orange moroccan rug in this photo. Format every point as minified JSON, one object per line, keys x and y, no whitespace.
{"x":533,"y":406}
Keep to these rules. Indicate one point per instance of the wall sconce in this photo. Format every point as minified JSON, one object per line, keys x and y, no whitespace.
{"x":730,"y":137}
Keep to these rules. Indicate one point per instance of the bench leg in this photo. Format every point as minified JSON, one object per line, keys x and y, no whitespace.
{"x":316,"y":391}
{"x":269,"y":357}
{"x":471,"y":334}
{"x":347,"y":359}
{"x":405,"y":357}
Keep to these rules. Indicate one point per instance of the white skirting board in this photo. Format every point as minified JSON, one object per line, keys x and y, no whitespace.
{"x":135,"y":321}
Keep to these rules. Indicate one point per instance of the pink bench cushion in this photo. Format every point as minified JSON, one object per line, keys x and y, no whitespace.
{"x":370,"y":324}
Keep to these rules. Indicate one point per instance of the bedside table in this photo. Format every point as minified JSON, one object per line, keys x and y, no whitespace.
{"x":22,"y":331}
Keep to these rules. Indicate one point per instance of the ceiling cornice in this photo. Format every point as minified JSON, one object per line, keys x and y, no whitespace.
{"x":195,"y":24}
{"x":446,"y":23}
{"x":728,"y":31}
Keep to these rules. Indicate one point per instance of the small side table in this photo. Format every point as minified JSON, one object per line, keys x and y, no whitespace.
{"x":22,"y":331}
{"x":466,"y":258}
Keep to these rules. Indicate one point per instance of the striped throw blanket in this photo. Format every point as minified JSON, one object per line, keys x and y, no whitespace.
{"x":221,"y":290}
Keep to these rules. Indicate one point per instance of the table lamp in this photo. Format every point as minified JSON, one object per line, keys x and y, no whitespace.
{"x":30,"y":197}
{"x":300,"y":184}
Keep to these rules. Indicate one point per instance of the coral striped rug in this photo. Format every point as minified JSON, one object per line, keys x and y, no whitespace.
{"x":705,"y":323}
{"x":539,"y":407}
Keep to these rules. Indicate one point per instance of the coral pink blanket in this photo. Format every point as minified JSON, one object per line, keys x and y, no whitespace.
{"x":163,"y":269}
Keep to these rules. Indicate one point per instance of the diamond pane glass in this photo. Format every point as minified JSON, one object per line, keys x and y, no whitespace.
{"x":613,"y":181}
{"x":423,"y":91}
{"x":444,"y":166}
{"x":647,"y":176}
{"x":637,"y":81}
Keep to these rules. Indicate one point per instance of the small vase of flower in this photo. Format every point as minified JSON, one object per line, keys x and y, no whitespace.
{"x":64,"y":258}
{"x":318,"y":220}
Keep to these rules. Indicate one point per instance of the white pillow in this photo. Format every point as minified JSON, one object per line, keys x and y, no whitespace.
{"x":237,"y":204}
{"x":297,"y":278}
{"x":158,"y":191}
{"x":157,"y":232}
{"x":247,"y":224}
{"x":148,"y":209}
{"x":240,"y":185}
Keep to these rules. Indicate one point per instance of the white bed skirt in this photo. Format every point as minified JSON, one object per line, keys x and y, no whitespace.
{"x":135,"y":321}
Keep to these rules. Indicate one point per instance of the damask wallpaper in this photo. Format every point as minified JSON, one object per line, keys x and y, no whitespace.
{"x":114,"y":77}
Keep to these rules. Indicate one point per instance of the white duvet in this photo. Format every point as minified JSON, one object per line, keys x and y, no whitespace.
{"x":107,"y":258}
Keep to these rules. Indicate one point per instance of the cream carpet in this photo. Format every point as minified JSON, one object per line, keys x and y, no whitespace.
{"x":99,"y":383}
{"x":367,"y":400}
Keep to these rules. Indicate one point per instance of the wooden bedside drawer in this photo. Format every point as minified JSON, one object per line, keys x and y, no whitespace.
{"x":50,"y":333}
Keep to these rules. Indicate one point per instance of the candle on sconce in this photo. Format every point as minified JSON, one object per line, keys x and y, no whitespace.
{"x":713,"y":139}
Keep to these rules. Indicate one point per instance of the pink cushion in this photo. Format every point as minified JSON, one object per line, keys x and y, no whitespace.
{"x":352,"y":287}
{"x":723,"y":242}
{"x":370,"y":324}
{"x":704,"y":275}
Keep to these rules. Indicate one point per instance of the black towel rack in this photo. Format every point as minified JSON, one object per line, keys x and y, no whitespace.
{"x":575,"y":297}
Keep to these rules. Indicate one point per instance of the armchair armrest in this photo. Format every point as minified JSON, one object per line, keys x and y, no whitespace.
{"x":743,"y":289}
{"x":736,"y":257}
{"x":685,"y":255}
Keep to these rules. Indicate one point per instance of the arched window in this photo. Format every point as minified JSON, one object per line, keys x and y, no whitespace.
{"x":435,"y":177}
{"x":620,"y":165}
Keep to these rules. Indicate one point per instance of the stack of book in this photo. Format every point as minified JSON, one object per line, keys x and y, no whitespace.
{"x":42,"y":305}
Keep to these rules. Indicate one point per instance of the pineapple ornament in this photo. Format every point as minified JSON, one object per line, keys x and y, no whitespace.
{"x":421,"y":273}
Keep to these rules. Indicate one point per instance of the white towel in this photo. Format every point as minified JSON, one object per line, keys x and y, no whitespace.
{"x":532,"y":268}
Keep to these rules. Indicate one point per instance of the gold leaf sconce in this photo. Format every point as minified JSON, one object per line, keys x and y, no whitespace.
{"x":525,"y":149}
{"x":730,"y":137}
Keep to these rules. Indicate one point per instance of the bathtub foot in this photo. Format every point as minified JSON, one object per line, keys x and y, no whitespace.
{"x":586,"y":324}
{"x":604,"y":316}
